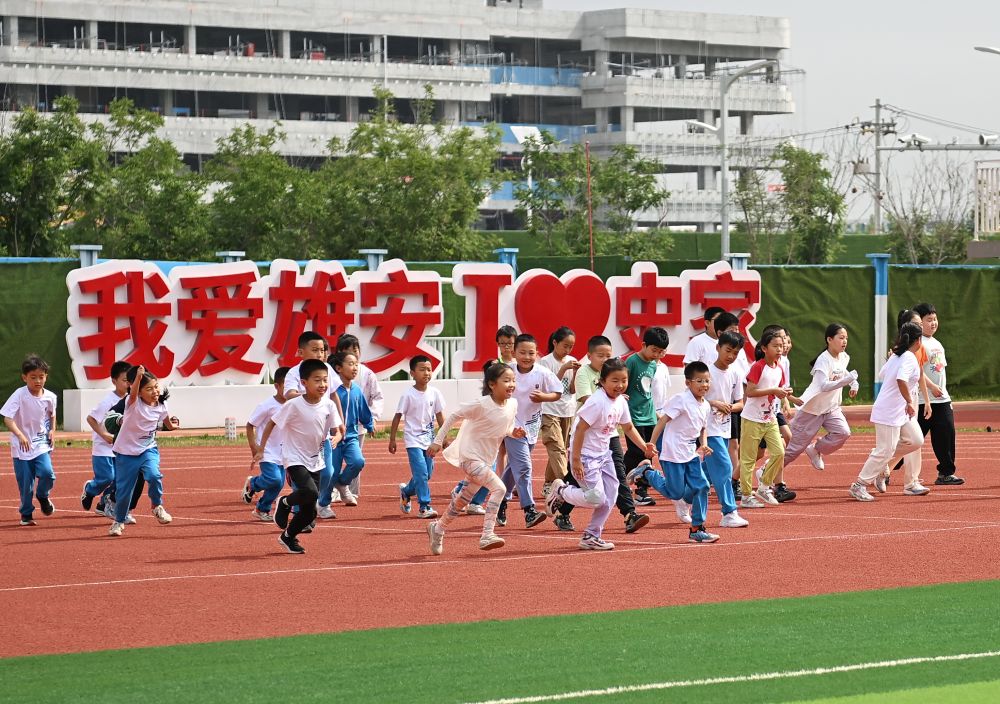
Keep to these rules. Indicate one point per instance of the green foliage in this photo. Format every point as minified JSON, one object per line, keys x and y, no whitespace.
{"x":916,"y":239}
{"x":627,"y":185}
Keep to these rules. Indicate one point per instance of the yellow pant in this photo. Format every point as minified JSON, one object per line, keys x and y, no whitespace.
{"x":554,"y":434}
{"x":751,"y":433}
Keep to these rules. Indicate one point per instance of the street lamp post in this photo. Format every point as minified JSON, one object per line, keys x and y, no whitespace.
{"x":725,"y":84}
{"x":987,"y":49}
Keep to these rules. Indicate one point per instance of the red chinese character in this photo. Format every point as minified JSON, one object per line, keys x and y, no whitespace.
{"x":324,"y":310}
{"x":658,"y":306}
{"x":486,"y":316}
{"x":221,"y":339}
{"x":141,"y":328}
{"x":736,"y":296}
{"x":393,"y":316}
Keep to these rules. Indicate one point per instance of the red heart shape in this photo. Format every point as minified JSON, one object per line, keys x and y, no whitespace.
{"x":578,"y":300}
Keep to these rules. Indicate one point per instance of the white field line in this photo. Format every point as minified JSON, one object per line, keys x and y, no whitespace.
{"x":738,"y":679}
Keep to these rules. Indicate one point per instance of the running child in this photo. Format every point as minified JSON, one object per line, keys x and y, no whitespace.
{"x":725,"y":397}
{"x":306,"y":422}
{"x":102,"y":458}
{"x":821,"y":402}
{"x":30,"y":416}
{"x":701,"y":347}
{"x":135,"y":447}
{"x":593,"y":467}
{"x":534,"y":386}
{"x":371,"y":390}
{"x":419,"y":407}
{"x":272,"y":472}
{"x":897,"y":432}
{"x":765,"y":384}
{"x":347,"y":458}
{"x":486,"y":424}
{"x":641,"y":368}
{"x":684,"y":446}
{"x":558,"y":415}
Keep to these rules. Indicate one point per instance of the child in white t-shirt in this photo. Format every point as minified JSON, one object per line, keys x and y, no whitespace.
{"x":272,"y":472}
{"x":765,"y":386}
{"x":897,"y":432}
{"x":135,"y":446}
{"x":30,"y":415}
{"x":683,"y":426}
{"x":701,"y":348}
{"x":591,"y":461}
{"x":725,"y":397}
{"x":419,"y":407}
{"x":557,"y":416}
{"x":371,"y":390}
{"x":941,"y":423}
{"x":102,"y":457}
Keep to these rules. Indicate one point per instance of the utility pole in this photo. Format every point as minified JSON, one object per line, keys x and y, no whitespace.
{"x":881,"y":129}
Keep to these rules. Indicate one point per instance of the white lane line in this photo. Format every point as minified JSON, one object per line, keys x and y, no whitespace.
{"x":736,"y":679}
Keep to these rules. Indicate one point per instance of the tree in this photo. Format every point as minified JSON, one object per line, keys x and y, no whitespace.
{"x":413,"y":189}
{"x":626,"y":185}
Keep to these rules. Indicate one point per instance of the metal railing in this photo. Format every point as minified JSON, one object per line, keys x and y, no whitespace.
{"x":446,"y":347}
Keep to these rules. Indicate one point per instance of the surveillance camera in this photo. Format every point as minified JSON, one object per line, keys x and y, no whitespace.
{"x":918,"y":139}
{"x":985,"y":139}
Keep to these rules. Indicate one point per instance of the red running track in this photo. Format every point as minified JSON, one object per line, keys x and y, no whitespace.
{"x":216,"y":574}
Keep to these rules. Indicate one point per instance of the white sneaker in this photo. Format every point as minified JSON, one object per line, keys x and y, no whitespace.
{"x":751,"y":502}
{"x":325,"y":512}
{"x":917,"y":489}
{"x":860,"y":492}
{"x":262,"y":516}
{"x":733,"y":520}
{"x":683,"y":510}
{"x":349,"y":498}
{"x":880,"y":484}
{"x":759,"y":472}
{"x":491,"y":542}
{"x":334,"y":496}
{"x":427,"y":513}
{"x":116,"y":529}
{"x":546,"y":488}
{"x":129,"y":520}
{"x":592,"y":542}
{"x":814,"y":457}
{"x":475,"y":510}
{"x":765,"y":495}
{"x":160,"y":514}
{"x":436,"y":539}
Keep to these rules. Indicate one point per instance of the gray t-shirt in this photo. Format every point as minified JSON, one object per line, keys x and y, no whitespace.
{"x":936,"y":369}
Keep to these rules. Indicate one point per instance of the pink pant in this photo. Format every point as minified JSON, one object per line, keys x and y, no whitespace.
{"x":598,"y":490}
{"x":804,"y":427}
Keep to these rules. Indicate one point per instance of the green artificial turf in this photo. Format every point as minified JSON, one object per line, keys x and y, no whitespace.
{"x":973,"y":693}
{"x":540,"y":656}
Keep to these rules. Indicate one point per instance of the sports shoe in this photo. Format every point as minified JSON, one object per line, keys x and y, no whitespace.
{"x":309,"y":528}
{"x":86,"y":500}
{"x":281,"y":512}
{"x":348,"y":498}
{"x":815,"y":458}
{"x":737,"y":490}
{"x":491,"y":542}
{"x":634,"y":521}
{"x":28,"y":521}
{"x":644,"y":500}
{"x":436,"y":539}
{"x":427,"y":512}
{"x":262,"y":516}
{"x":917,"y":489}
{"x":733,"y":520}
{"x":881,"y":482}
{"x":759,"y":473}
{"x":325,"y":511}
{"x":99,"y":508}
{"x":502,"y":513}
{"x":532,"y":517}
{"x":291,"y":544}
{"x":116,"y":529}
{"x":948,"y":480}
{"x":130,"y":519}
{"x":160,"y":514}
{"x":47,"y":508}
{"x":639,"y":471}
{"x":700,"y":535}
{"x":334,"y":495}
{"x":404,"y":499}
{"x":554,"y":499}
{"x":109,"y":509}
{"x":475,"y":510}
{"x":592,"y":542}
{"x":860,"y":492}
{"x":248,"y":491}
{"x":563,"y":523}
{"x":783,"y":494}
{"x":751,"y":502}
{"x":765,"y":495}
{"x":546,"y":488}
{"x":683,"y":510}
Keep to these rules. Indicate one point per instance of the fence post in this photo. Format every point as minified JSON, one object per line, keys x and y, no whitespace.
{"x":230,"y":257}
{"x":739,"y":261}
{"x":88,"y":253}
{"x":880,"y":262}
{"x":508,"y":255}
{"x":374,"y":257}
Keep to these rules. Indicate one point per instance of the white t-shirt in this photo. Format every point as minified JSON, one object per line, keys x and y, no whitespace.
{"x":726,"y":387}
{"x":371,"y":390}
{"x":529,"y":413}
{"x":604,"y":415}
{"x":702,"y":348}
{"x":826,"y":368}
{"x":99,"y":447}
{"x":936,"y":369}
{"x":761,"y":408}
{"x":33,"y":415}
{"x":742,"y":367}
{"x":661,"y":388}
{"x":890,"y":406}
{"x":139,"y":425}
{"x":688,"y":417}
{"x":419,"y":410}
{"x":293,"y":382}
{"x":485,"y":425}
{"x":566,"y":405}
{"x":304,"y":427}
{"x":264,"y":412}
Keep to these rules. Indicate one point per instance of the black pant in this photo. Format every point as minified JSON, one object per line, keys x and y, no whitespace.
{"x":624,"y":501}
{"x":306,"y":492}
{"x":941,"y":425}
{"x":635,"y":454}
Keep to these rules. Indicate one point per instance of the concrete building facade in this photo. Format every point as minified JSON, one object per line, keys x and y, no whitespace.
{"x":610,"y":77}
